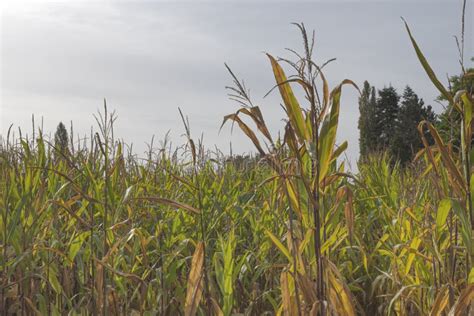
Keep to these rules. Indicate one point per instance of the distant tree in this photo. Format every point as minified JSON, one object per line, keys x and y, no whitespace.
{"x":386,"y":115}
{"x":368,"y":136}
{"x":390,"y":122}
{"x":449,"y":123}
{"x":406,"y":140}
{"x":61,"y":139}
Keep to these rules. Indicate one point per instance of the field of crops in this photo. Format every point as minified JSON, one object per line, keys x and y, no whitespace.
{"x":89,"y":228}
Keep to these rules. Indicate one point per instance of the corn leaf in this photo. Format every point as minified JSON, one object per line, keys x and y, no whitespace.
{"x":291,"y":103}
{"x":195,"y":281}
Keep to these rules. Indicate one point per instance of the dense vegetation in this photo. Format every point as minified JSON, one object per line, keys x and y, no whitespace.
{"x":92,"y":229}
{"x":390,"y":122}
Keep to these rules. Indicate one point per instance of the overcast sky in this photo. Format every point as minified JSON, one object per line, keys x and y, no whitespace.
{"x":60,"y":59}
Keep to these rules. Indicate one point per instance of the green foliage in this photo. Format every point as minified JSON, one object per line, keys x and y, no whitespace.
{"x":368,"y":140}
{"x":405,"y":141}
{"x":450,"y":120}
{"x":386,"y":115}
{"x":61,"y":139}
{"x":385,"y":123}
{"x":103,"y":232}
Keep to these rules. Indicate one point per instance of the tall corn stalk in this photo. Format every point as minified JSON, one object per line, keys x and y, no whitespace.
{"x":93,"y":230}
{"x":457,"y":166}
{"x":309,"y":146}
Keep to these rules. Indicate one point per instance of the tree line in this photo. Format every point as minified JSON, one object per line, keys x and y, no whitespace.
{"x":389,"y":121}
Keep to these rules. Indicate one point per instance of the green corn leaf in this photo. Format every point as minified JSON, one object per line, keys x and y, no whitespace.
{"x":463,"y":216}
{"x":53,"y":280}
{"x":411,"y":256}
{"x":470,"y":279}
{"x":327,"y":136}
{"x":442,"y":212}
{"x":279,"y":245}
{"x":291,"y":103}
{"x":427,"y":67}
{"x":76,"y":244}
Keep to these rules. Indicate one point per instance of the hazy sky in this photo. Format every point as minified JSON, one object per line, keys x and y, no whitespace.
{"x":60,"y":59}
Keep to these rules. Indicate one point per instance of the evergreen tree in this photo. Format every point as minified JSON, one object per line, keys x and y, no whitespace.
{"x":406,"y":140}
{"x":386,"y":114}
{"x":61,"y":140}
{"x":449,"y":123}
{"x":390,"y":122}
{"x":368,"y":140}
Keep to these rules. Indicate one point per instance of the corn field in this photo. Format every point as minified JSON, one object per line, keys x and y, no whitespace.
{"x":92,"y":229}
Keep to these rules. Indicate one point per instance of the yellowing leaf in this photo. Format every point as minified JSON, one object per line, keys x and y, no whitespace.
{"x":470,"y":279}
{"x":195,"y":280}
{"x":327,"y":136}
{"x":291,"y":103}
{"x":441,"y":302}
{"x":76,"y":244}
{"x":339,"y":294}
{"x":287,"y":297}
{"x":246,"y":129}
{"x":442,"y":212}
{"x":279,"y":245}
{"x":464,"y":301}
{"x":427,"y":67}
{"x":411,"y":256}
